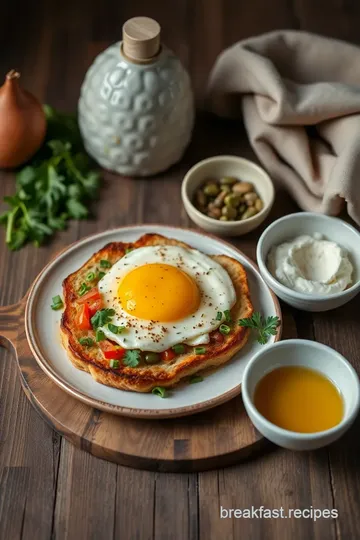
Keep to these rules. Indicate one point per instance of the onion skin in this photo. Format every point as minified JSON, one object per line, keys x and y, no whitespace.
{"x":22,"y":123}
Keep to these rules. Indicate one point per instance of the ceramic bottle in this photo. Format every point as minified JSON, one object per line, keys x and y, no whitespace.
{"x":136,"y":108}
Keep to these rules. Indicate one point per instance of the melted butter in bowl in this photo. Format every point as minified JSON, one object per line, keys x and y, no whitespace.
{"x":299,"y":399}
{"x":300,"y":394}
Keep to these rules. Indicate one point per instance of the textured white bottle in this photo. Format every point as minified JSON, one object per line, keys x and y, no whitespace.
{"x":136,"y":118}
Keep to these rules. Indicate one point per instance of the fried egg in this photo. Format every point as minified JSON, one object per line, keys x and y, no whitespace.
{"x":164,"y":295}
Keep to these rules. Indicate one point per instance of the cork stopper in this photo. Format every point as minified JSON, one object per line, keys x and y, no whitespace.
{"x":141,"y":39}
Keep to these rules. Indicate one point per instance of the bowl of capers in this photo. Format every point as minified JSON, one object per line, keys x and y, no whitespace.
{"x":227,"y":195}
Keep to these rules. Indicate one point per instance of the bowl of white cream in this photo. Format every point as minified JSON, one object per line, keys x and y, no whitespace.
{"x":311,"y":261}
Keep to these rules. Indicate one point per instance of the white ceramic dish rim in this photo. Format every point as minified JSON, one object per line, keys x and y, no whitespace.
{"x":103,"y":405}
{"x":295,"y":434}
{"x":286,"y":290}
{"x":227,"y":224}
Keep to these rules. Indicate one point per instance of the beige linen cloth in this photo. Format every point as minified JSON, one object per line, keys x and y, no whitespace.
{"x":299,"y":95}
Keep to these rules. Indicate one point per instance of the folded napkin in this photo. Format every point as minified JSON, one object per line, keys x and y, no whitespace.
{"x":299,"y":95}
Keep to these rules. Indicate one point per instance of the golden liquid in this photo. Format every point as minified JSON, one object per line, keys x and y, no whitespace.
{"x":299,"y":399}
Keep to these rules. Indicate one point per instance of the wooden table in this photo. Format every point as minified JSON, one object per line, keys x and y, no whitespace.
{"x":49,"y":489}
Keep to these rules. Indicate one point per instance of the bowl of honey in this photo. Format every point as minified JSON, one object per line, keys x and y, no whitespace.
{"x":301,"y":394}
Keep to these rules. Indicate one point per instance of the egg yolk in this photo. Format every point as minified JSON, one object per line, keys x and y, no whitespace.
{"x":159,"y":292}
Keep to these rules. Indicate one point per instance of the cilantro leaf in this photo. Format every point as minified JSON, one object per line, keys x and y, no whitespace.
{"x":264,"y":327}
{"x":26,"y":176}
{"x":58,"y":223}
{"x":132,"y":358}
{"x":76,"y":209}
{"x":18,"y":239}
{"x":102,"y":317}
{"x":91,"y":184}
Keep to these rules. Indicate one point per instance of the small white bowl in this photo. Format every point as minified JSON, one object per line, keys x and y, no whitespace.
{"x":293,"y":225}
{"x":300,"y":352}
{"x":216,"y":167}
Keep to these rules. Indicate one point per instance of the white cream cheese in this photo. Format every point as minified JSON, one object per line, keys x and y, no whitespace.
{"x":311,"y":265}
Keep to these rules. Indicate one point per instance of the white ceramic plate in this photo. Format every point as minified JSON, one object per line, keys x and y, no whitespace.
{"x":42,"y":329}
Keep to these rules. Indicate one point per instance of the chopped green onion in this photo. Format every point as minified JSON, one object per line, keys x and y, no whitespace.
{"x":100,"y":275}
{"x":159,"y":391}
{"x":179,"y":348}
{"x":200,"y":350}
{"x":227,"y":315}
{"x":224,"y":329}
{"x":195,"y":379}
{"x":127,"y":250}
{"x":114,"y":364}
{"x":115,"y":329}
{"x":100,"y":336}
{"x":219,"y":316}
{"x":90,"y":276}
{"x":83,"y":289}
{"x":104,"y":263}
{"x":57,"y":303}
{"x":87,"y":341}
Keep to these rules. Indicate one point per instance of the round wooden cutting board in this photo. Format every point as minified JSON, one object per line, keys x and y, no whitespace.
{"x":216,"y":438}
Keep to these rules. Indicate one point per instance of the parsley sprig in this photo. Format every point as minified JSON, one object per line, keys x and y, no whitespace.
{"x":264,"y":327}
{"x":102,"y":317}
{"x":53,"y":187}
{"x":132,"y":358}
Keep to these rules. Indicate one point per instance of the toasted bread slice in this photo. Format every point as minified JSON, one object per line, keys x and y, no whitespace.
{"x":144,"y":378}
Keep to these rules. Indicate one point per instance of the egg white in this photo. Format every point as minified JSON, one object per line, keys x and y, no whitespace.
{"x":217,"y":295}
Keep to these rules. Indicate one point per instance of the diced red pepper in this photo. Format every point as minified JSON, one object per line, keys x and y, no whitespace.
{"x":93,"y":299}
{"x":116,"y":354}
{"x":91,"y":296}
{"x":111,"y":351}
{"x":95,"y":306}
{"x":83,"y":318}
{"x":216,"y":337}
{"x":168,"y":355}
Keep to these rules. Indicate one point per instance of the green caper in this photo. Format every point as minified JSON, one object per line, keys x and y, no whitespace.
{"x":228,"y":180}
{"x":250,"y":212}
{"x":225,"y":188}
{"x":152,"y":358}
{"x":224,"y":218}
{"x":211,"y":190}
{"x":229,"y":212}
{"x":232,"y":200}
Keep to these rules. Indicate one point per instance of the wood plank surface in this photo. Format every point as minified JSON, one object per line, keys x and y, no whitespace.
{"x":48,"y":489}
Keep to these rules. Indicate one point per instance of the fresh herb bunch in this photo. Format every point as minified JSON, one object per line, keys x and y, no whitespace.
{"x":53,"y":186}
{"x":264,"y":327}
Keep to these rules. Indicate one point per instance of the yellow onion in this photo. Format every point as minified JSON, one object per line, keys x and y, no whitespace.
{"x":22,"y":123}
